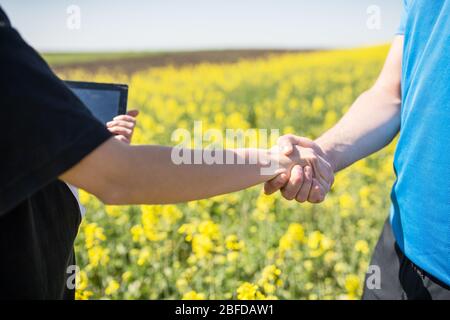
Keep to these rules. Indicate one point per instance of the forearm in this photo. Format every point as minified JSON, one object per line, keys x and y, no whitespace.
{"x":148,"y":174}
{"x":157,"y":179}
{"x":369,"y":125}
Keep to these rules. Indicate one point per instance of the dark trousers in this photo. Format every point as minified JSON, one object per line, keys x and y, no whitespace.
{"x":399,"y":278}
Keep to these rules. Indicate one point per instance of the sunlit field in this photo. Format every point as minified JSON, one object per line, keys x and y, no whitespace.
{"x":244,"y":245}
{"x":61,"y":59}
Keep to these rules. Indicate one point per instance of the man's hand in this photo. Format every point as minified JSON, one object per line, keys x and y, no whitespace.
{"x":309,"y":180}
{"x":123,"y":126}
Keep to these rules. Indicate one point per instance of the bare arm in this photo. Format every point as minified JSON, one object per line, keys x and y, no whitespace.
{"x":372,"y":121}
{"x":121,"y":174}
{"x":370,"y":124}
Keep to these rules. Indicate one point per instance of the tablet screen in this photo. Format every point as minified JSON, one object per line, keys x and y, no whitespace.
{"x":105,"y":101}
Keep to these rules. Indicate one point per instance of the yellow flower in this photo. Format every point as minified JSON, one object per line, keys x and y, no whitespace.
{"x":270,"y":254}
{"x":364,"y":194}
{"x":232,"y":256}
{"x":352,"y":285}
{"x":269,"y":279}
{"x":126,"y":276}
{"x":289,"y":129}
{"x":89,"y":201}
{"x":93,"y":235}
{"x":83,"y":295}
{"x":318,"y":243}
{"x":318,"y":104}
{"x":202,"y":246}
{"x":137,"y":233}
{"x":269,"y":288}
{"x":188,"y":229}
{"x":315,"y":239}
{"x":151,"y":223}
{"x":296,"y":231}
{"x":192,"y":295}
{"x":271,"y":272}
{"x":236,"y":121}
{"x":329,"y":257}
{"x":232,"y":243}
{"x":85,"y":197}
{"x":308,"y":265}
{"x":114,"y":211}
{"x":144,"y":256}
{"x":295,"y":234}
{"x":82,"y":281}
{"x":171,"y":214}
{"x":112,"y":288}
{"x":362,"y":246}
{"x":340,"y":267}
{"x":209,"y":229}
{"x":264,"y":206}
{"x":192,"y":260}
{"x":346,"y":203}
{"x":98,"y":256}
{"x":247,"y":291}
{"x":181,"y":284}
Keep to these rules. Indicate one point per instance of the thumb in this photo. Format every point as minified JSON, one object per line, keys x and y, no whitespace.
{"x":286,"y":143}
{"x":133,"y":113}
{"x":305,"y":142}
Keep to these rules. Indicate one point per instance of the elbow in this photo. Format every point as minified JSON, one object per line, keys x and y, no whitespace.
{"x":110,"y":198}
{"x":114,"y":194}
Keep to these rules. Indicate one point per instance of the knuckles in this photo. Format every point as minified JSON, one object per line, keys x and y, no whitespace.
{"x":309,"y":159}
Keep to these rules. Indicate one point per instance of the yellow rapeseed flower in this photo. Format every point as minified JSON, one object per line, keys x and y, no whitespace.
{"x":247,"y":291}
{"x":233,"y":243}
{"x":362,"y":246}
{"x":112,"y":287}
{"x":352,"y":285}
{"x":192,"y":295}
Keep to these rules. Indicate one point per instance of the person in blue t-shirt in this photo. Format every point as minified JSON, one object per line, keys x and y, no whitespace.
{"x":411,"y":96}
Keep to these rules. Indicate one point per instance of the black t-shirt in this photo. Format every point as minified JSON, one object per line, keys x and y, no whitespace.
{"x":45,"y":131}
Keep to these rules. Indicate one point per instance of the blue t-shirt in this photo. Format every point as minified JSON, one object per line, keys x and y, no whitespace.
{"x":420,"y":212}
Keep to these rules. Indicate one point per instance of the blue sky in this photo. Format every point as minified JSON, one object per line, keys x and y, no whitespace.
{"x":113,"y":25}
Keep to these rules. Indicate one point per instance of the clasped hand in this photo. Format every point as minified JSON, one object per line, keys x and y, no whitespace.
{"x":307,"y":175}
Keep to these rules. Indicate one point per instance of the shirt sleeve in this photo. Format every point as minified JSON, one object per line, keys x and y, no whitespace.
{"x":45,"y":128}
{"x":4,"y":21}
{"x":402,"y":26}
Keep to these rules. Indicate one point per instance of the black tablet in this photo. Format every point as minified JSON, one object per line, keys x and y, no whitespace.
{"x":105,"y":100}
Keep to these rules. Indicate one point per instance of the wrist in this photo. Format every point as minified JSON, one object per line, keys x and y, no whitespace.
{"x":272,"y":163}
{"x":329,"y":152}
{"x":262,"y":162}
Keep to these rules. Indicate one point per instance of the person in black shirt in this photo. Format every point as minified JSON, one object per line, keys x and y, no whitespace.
{"x":49,"y":138}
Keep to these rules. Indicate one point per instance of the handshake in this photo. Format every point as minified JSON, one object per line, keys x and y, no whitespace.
{"x":302,"y":170}
{"x":304,"y":174}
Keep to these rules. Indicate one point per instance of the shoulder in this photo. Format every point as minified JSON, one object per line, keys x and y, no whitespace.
{"x":4,"y":21}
